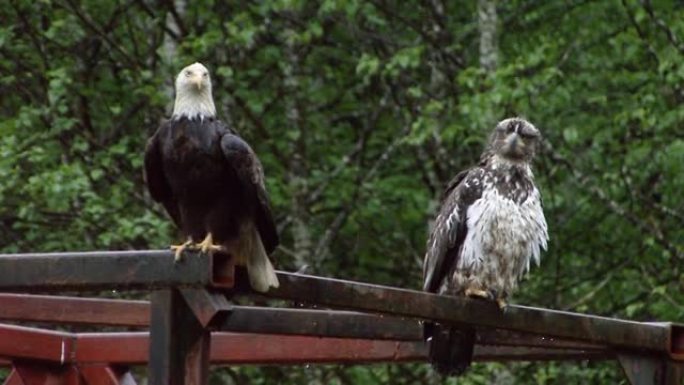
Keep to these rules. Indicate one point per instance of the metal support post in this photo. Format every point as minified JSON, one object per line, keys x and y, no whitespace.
{"x":651,"y":370}
{"x":179,"y":344}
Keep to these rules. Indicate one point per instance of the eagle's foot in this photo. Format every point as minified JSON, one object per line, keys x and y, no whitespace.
{"x":503,"y":305}
{"x":207,"y":246}
{"x":179,"y":249}
{"x":477,"y":293}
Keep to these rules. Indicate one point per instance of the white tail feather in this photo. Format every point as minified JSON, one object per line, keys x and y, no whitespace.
{"x":262,"y":276}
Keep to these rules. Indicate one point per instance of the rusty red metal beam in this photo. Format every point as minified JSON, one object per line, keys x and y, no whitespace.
{"x":155,"y":269}
{"x":117,"y":312}
{"x":24,"y":342}
{"x":74,"y":310}
{"x":312,"y":322}
{"x":132,"y":348}
{"x":272,"y":321}
{"x":230,"y":348}
{"x":302,"y":349}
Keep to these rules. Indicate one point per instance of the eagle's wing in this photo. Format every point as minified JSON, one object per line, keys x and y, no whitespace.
{"x":448,"y":230}
{"x":156,"y":181}
{"x":450,"y":347}
{"x":249,"y":171}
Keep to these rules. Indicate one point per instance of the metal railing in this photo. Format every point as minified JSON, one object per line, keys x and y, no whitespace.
{"x":193,"y":324}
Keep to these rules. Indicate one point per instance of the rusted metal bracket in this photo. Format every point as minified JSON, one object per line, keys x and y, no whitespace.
{"x":207,"y":307}
{"x":179,"y":343}
{"x":649,"y":370}
{"x":180,"y":339}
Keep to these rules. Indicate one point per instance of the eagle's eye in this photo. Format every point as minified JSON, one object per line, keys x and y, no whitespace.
{"x":188,"y":73}
{"x":205,"y":74}
{"x":510,"y":128}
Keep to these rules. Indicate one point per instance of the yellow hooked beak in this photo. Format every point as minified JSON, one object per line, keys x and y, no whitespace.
{"x":197,"y":81}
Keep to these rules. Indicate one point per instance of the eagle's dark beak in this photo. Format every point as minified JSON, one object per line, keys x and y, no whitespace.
{"x":514,"y":142}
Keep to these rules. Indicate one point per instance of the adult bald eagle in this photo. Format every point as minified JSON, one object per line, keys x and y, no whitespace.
{"x":211,"y":182}
{"x":489,"y":228}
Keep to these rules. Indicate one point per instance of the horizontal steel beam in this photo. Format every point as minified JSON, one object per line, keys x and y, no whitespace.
{"x":110,"y":269}
{"x":155,"y":269}
{"x":231,"y":348}
{"x":74,"y":310}
{"x":323,"y":323}
{"x":245,"y":319}
{"x":410,"y":303}
{"x":132,"y":348}
{"x":349,"y":324}
{"x":32,"y":343}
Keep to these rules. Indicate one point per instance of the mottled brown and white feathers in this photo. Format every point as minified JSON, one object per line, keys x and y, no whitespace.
{"x":210,"y":180}
{"x":489,"y":229}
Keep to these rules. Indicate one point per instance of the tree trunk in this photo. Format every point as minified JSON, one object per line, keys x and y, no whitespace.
{"x":489,"y":46}
{"x":298,"y":171}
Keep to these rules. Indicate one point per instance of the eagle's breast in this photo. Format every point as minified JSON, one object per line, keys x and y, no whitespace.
{"x":506,"y":226}
{"x":194,"y":165}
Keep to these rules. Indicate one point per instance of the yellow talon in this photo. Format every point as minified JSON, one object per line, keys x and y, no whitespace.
{"x":207,"y":246}
{"x":470,"y":292}
{"x":502,"y":303}
{"x":179,"y":249}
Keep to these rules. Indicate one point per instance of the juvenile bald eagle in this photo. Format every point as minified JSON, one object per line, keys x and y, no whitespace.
{"x":211,"y":182}
{"x":489,"y":228}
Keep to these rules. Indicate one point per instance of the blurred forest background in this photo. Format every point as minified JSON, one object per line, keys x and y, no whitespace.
{"x":361,"y":111}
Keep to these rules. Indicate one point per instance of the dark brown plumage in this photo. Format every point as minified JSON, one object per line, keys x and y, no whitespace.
{"x":211,"y":182}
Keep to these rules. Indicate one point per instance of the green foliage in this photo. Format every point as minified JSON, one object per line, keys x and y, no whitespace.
{"x":361,"y":111}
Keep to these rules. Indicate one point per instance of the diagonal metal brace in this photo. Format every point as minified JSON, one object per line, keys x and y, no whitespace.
{"x":206,"y":306}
